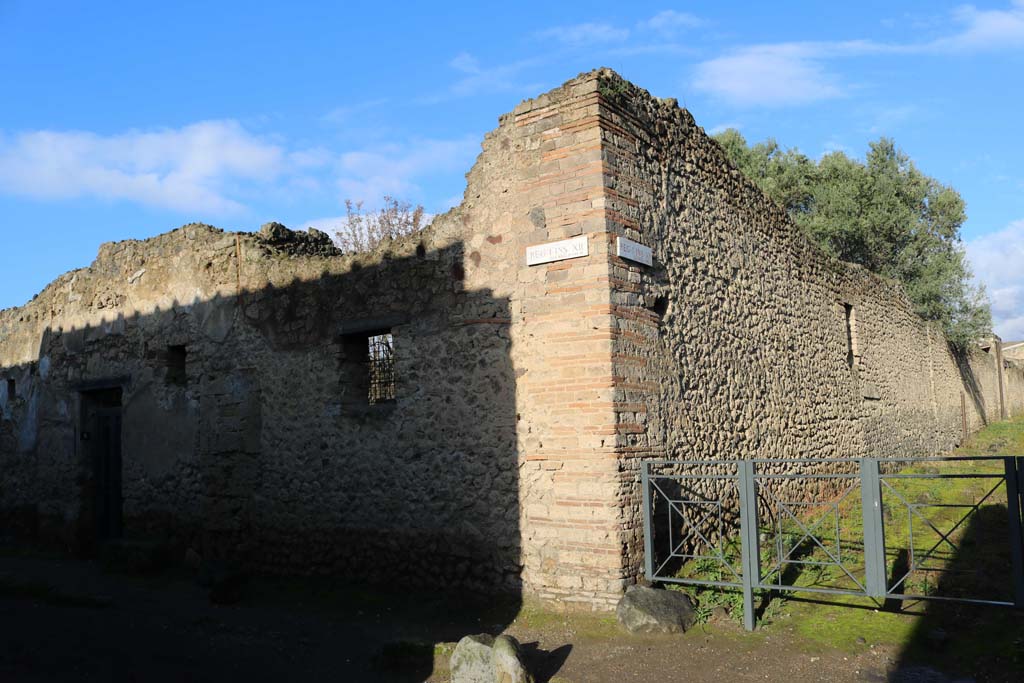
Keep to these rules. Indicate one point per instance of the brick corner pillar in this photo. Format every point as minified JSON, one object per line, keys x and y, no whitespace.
{"x":564,"y":330}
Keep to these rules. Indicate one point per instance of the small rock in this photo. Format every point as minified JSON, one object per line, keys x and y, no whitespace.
{"x":719,"y":615}
{"x":651,"y":610}
{"x":274,"y":232}
{"x":861,"y":641}
{"x":507,"y":658}
{"x":472,"y":660}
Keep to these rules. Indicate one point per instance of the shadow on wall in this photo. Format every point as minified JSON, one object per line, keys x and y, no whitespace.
{"x":970,"y":382}
{"x":983,"y":642}
{"x":257,"y":430}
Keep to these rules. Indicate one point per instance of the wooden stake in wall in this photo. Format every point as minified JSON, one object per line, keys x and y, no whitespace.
{"x":963,"y":413}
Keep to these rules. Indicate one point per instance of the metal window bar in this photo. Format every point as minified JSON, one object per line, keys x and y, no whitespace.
{"x":381,"y":368}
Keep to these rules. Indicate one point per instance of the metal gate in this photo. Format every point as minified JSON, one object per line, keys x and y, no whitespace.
{"x":782,"y":525}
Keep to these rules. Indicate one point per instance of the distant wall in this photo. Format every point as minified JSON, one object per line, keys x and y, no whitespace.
{"x":1014,"y":378}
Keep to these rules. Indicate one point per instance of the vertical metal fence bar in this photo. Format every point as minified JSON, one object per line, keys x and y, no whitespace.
{"x":1011,"y":467}
{"x":874,"y":529}
{"x":748,"y":539}
{"x":645,"y":483}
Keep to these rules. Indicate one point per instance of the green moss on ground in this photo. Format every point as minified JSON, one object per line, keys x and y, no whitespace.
{"x":535,"y":616}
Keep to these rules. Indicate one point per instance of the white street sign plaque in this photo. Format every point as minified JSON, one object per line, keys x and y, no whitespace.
{"x":557,"y":251}
{"x":634,"y":251}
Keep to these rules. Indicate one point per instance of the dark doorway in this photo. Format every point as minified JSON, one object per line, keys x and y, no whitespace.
{"x":101,"y":436}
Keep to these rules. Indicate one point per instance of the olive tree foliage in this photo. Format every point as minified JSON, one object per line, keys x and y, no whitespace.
{"x":364,"y":230}
{"x":881,"y":213}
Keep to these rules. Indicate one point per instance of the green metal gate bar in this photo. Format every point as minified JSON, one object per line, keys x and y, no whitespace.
{"x":710,"y":505}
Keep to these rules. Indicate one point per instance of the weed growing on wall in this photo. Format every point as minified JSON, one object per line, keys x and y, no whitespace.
{"x":364,"y":230}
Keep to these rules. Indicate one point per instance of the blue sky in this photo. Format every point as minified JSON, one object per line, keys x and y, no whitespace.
{"x":125,"y":120}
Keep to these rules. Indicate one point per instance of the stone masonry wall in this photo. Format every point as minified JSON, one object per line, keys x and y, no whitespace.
{"x":267,"y":450}
{"x":734,"y":345}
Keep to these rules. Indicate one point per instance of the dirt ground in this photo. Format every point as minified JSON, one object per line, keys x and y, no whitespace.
{"x":71,"y":620}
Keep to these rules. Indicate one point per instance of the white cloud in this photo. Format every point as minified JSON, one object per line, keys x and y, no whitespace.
{"x":342,"y":114}
{"x":660,"y":48}
{"x":996,"y":259}
{"x":769,"y":75}
{"x":886,"y":120}
{"x":669,"y":21}
{"x":651,"y":36}
{"x":328,"y":224}
{"x":986,"y":29}
{"x":313,"y":157}
{"x":211,"y":167}
{"x":585,"y":34}
{"x":722,"y":127}
{"x":191,"y":168}
{"x":833,"y":145}
{"x":798,"y":73}
{"x":477,"y":79}
{"x":395,"y":169}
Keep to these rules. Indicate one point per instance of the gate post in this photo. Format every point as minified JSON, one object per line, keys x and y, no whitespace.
{"x":648,"y":512}
{"x":874,"y":529}
{"x":1012,"y":469}
{"x":749,"y":542}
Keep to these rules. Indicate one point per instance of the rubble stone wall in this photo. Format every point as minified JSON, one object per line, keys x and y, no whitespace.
{"x":268,"y":451}
{"x":734,"y":344}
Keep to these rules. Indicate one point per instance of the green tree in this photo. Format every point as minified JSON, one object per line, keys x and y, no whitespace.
{"x":883,"y":214}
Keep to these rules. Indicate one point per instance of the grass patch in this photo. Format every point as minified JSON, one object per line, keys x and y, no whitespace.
{"x":937,"y":633}
{"x":1000,"y":438}
{"x":534,"y":616}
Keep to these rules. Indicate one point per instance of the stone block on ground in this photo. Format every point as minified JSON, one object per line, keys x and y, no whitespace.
{"x":483,"y":659}
{"x":652,"y":610}
{"x":471,"y":661}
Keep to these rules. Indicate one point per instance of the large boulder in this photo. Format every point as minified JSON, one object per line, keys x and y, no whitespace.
{"x":651,"y":610}
{"x":483,"y":659}
{"x":471,"y":661}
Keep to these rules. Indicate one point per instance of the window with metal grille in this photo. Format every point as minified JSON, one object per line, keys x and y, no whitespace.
{"x":381,"y":368}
